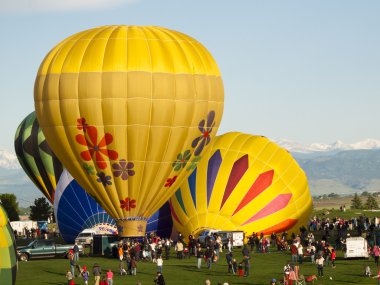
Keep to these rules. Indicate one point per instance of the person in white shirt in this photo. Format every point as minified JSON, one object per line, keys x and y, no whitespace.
{"x":159,"y":264}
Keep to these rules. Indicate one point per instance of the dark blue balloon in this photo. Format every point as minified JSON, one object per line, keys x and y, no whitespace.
{"x":75,"y":210}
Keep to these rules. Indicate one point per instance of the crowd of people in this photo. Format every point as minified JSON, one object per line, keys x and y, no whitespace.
{"x":302,"y":247}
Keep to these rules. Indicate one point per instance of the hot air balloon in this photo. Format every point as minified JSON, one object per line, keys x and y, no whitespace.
{"x":8,"y":257}
{"x":36,"y":157}
{"x":75,"y":210}
{"x":245,"y":183}
{"x":127,"y":110}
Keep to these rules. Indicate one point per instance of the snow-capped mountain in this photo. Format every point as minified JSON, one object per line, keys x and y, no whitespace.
{"x":8,"y":160}
{"x":295,"y":147}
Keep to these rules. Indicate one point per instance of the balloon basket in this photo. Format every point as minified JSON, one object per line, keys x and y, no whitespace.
{"x":131,"y":228}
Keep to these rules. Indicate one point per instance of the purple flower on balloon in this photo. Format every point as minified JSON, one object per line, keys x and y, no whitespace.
{"x":104,"y":179}
{"x":123,"y":169}
{"x":200,"y":142}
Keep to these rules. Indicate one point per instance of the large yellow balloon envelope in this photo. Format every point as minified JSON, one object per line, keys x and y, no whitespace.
{"x":8,"y":258}
{"x":243,"y":182}
{"x":128,"y":110}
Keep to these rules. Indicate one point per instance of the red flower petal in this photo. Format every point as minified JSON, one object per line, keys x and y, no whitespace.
{"x":81,"y":139}
{"x":106,"y":140}
{"x":100,"y":161}
{"x":92,"y":134}
{"x":86,"y":155}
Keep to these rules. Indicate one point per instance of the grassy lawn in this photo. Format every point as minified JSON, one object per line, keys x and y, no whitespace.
{"x":263,"y":268}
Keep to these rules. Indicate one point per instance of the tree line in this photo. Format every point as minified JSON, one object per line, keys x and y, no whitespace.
{"x":39,"y":211}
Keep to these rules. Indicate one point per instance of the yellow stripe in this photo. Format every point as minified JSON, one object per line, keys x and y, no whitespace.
{"x":129,"y":48}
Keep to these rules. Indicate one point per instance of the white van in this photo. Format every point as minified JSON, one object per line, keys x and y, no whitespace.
{"x":86,"y":237}
{"x":356,"y":247}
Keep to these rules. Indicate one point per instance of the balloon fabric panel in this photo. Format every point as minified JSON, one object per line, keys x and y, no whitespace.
{"x":129,"y":111}
{"x":247,"y":183}
{"x":36,"y":157}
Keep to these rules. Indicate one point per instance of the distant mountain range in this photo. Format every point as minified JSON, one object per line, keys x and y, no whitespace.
{"x":331,"y":168}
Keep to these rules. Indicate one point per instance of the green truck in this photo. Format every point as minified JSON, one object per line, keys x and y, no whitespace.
{"x":42,"y":248}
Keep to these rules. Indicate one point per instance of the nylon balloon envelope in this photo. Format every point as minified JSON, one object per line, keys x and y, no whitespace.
{"x":128,"y":110}
{"x":244,"y":182}
{"x":8,"y":256}
{"x":75,"y":210}
{"x":36,"y":157}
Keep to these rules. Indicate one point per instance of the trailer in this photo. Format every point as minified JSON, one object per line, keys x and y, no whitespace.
{"x":356,"y":247}
{"x":20,"y":226}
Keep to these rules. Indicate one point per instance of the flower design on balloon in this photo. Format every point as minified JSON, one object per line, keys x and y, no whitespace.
{"x":170,"y":181}
{"x":81,"y":124}
{"x":181,"y":161}
{"x":123,"y":169}
{"x":88,"y":168}
{"x":104,"y":179}
{"x":96,"y":149}
{"x":194,"y":163}
{"x":200,"y":142}
{"x":128,"y":204}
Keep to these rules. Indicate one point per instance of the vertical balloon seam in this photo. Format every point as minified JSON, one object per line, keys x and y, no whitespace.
{"x":111,"y":199}
{"x":143,"y":210}
{"x":21,"y":156}
{"x":177,"y":40}
{"x":82,"y":205}
{"x":71,"y":142}
{"x":171,"y":35}
{"x":38,"y":160}
{"x":66,"y":201}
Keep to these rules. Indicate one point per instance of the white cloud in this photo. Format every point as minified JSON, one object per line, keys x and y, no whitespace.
{"x":33,"y":6}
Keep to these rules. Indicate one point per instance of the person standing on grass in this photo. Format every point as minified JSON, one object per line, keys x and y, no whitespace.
{"x":376,"y":253}
{"x":76,"y":252}
{"x":159,"y":264}
{"x":333,"y":256}
{"x":97,"y":271}
{"x":319,"y":261}
{"x":199,"y":257}
{"x":300,"y":253}
{"x":85,"y":275}
{"x":109,"y":276}
{"x":133,"y":266}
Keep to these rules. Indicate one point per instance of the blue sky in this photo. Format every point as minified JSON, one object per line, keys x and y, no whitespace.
{"x":308,"y":71}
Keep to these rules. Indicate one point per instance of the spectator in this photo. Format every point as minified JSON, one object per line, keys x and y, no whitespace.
{"x":109,"y":275}
{"x":97,"y":271}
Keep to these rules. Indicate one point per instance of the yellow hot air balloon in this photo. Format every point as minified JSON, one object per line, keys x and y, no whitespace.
{"x":127,"y":110}
{"x":243,"y":182}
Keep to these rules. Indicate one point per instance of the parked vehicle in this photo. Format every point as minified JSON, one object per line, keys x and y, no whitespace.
{"x":205,"y":235}
{"x":356,"y":247}
{"x":44,"y":249}
{"x":236,"y":236}
{"x":86,"y":237}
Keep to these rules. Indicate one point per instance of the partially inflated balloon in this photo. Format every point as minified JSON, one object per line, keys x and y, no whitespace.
{"x":244,"y":182}
{"x":8,"y":258}
{"x":36,"y":157}
{"x":127,"y":109}
{"x":75,"y":211}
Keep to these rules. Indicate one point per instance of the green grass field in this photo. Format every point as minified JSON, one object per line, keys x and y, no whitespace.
{"x":263,"y":268}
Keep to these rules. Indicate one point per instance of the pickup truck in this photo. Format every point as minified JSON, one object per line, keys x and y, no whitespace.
{"x":42,"y":248}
